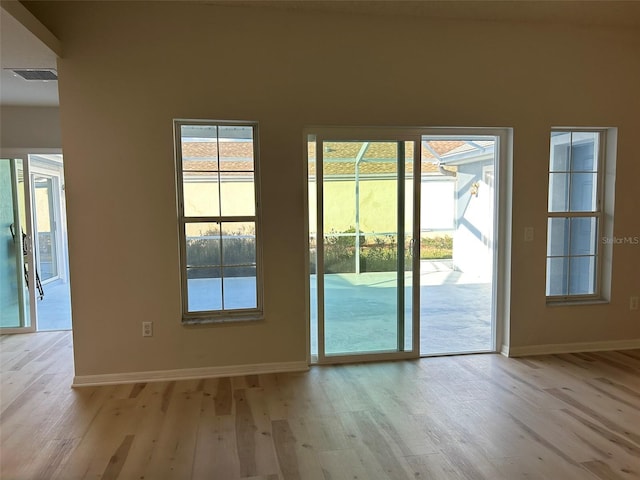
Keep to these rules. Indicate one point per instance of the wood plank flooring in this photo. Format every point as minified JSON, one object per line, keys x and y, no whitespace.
{"x":471,"y":417}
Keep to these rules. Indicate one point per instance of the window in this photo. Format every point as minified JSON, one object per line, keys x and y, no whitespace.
{"x":575,"y":215}
{"x":218,"y":214}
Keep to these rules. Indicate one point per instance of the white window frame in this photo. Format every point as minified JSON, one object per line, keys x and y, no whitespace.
{"x":221,"y":315}
{"x":603,"y":213}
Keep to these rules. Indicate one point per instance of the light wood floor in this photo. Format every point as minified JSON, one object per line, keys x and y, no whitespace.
{"x":473,"y":417}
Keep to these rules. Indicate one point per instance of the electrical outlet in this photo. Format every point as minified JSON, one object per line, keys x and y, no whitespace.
{"x":633,"y":303}
{"x":528,"y":234}
{"x":147,"y":329}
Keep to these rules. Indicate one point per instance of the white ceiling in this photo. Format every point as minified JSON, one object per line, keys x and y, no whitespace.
{"x":19,"y":48}
{"x":602,"y":13}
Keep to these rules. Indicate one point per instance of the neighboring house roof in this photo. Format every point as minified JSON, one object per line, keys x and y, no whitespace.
{"x":202,"y":149}
{"x":378,"y":157}
{"x":368,"y":168}
{"x":381,"y":150}
{"x":203,"y":156}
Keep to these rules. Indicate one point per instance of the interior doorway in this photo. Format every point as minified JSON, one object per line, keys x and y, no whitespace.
{"x":35,"y":275}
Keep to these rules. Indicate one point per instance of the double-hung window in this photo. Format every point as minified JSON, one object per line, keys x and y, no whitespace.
{"x":575,"y":214}
{"x":219,"y":223}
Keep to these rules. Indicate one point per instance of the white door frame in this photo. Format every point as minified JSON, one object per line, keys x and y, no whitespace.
{"x":501,"y":231}
{"x":56,"y":187}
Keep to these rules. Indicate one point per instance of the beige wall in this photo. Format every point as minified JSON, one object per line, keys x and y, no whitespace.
{"x":130,"y":68}
{"x":30,"y":127}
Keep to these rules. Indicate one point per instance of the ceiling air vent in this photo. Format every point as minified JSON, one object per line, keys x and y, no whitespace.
{"x":40,"y":74}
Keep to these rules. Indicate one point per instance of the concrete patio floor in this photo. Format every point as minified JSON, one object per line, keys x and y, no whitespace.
{"x":360,"y":312}
{"x":54,"y":310}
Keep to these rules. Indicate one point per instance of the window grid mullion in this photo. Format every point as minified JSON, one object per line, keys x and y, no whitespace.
{"x":222,"y":272}
{"x":594,"y":213}
{"x":222,"y":282}
{"x":570,"y":175}
{"x":216,"y":219}
{"x":568,"y":257}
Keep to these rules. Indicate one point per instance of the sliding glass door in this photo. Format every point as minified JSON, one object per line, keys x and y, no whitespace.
{"x":458,"y":232}
{"x":363,"y":241}
{"x":405,"y":234}
{"x":16,"y":255}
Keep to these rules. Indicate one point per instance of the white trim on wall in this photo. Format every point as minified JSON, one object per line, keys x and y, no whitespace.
{"x":187,"y":374}
{"x":570,"y":348}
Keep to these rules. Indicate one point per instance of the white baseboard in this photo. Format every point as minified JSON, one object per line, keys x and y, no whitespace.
{"x":570,"y":348}
{"x":187,"y":374}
